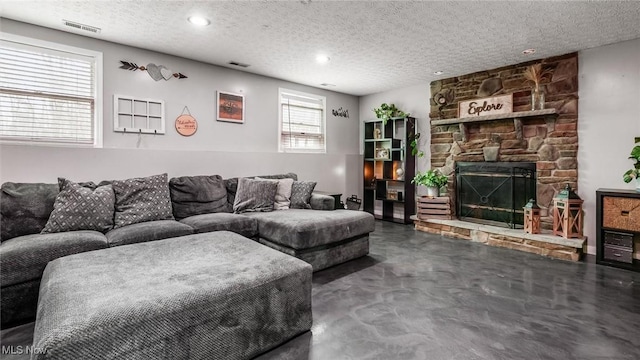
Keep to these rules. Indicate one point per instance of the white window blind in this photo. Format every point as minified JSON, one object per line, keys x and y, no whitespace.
{"x":302,"y":122}
{"x":48,"y":95}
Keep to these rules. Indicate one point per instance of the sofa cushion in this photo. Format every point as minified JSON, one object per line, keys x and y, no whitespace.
{"x":19,"y":304}
{"x":24,"y":258}
{"x":147,"y":231}
{"x":254,"y":195}
{"x":81,"y":208}
{"x":304,"y":229}
{"x":236,"y":223}
{"x":232,"y":184}
{"x":195,"y":195}
{"x":283,"y":193}
{"x":301,"y":194}
{"x":142,"y":199}
{"x":25,"y":208}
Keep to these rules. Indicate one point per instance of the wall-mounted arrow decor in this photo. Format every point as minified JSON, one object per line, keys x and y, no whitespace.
{"x":157,"y":72}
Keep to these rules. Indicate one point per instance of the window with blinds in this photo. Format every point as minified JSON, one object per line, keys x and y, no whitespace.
{"x":49,"y":92}
{"x":302,"y":122}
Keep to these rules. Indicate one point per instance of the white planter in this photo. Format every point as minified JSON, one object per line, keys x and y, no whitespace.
{"x":433,"y":191}
{"x":491,"y":153}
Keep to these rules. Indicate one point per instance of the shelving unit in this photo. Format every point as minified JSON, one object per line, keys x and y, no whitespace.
{"x":386,"y":195}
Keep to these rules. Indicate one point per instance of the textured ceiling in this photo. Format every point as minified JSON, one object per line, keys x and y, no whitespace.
{"x":374,"y":46}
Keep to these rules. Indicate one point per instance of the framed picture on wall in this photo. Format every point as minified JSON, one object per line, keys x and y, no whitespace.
{"x":230,"y":107}
{"x":382,"y":153}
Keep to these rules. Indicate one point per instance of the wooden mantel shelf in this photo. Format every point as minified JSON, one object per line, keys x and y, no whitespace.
{"x":513,"y":115}
{"x":548,"y":114}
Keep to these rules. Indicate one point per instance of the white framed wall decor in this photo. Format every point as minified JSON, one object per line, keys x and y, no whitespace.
{"x":140,"y":116}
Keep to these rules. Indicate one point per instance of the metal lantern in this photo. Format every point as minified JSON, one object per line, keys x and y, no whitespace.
{"x":532,"y":217}
{"x":567,"y":214}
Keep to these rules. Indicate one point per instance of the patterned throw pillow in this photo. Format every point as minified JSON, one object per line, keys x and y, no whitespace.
{"x":283,"y":193}
{"x":301,"y":194}
{"x":81,"y":208}
{"x":142,"y":199}
{"x":254,"y":195}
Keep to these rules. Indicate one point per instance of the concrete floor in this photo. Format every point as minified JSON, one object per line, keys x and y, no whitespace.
{"x":421,"y":296}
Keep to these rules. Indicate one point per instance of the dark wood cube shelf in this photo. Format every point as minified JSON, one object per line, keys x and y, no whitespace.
{"x":618,"y":228}
{"x":388,"y":195}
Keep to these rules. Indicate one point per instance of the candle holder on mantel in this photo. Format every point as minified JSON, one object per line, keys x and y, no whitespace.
{"x":532,"y":217}
{"x":567,"y":214}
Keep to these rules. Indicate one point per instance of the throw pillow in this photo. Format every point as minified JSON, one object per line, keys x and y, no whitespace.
{"x":81,"y":208}
{"x":283,"y":193}
{"x":142,"y":199}
{"x":254,"y":195}
{"x":232,"y":184}
{"x":195,"y":195}
{"x":301,"y":194}
{"x":25,"y":208}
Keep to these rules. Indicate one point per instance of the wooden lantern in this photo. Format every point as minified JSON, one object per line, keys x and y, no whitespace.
{"x":567,"y":214}
{"x":532,"y":217}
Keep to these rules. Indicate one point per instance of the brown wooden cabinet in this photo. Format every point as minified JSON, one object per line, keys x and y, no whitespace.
{"x":618,"y":228}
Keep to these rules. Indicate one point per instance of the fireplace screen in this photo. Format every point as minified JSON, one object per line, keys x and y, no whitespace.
{"x":494,"y":192}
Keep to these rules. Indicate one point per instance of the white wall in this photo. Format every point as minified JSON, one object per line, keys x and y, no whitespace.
{"x":412,"y":99}
{"x":253,"y":146}
{"x":608,"y":121}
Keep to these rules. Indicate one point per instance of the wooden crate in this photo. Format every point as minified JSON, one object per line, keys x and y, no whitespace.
{"x":434,"y":208}
{"x":621,"y":213}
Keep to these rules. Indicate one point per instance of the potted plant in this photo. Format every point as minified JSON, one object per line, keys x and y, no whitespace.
{"x":432,"y":179}
{"x":388,"y":111}
{"x":635,"y":172}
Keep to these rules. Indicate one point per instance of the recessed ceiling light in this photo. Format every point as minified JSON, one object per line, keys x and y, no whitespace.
{"x":439,"y":72}
{"x":528,"y":51}
{"x":322,"y":59}
{"x":199,"y":20}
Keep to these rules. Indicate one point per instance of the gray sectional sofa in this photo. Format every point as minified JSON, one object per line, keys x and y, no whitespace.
{"x":318,"y":236}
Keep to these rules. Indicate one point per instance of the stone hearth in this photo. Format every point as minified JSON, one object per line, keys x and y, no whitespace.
{"x":542,"y":244}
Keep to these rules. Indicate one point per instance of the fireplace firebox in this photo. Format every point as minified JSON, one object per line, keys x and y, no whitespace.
{"x":494,"y":192}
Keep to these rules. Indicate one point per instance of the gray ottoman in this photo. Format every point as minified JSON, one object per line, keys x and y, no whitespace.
{"x":204,"y":296}
{"x":321,"y":238}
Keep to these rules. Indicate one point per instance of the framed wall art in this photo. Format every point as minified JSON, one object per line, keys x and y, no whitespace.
{"x":382,"y":153}
{"x":230,"y":107}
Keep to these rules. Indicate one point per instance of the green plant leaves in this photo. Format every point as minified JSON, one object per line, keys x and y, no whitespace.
{"x":635,"y":172}
{"x":629,"y":175}
{"x":430,"y":178}
{"x":388,"y":111}
{"x":635,"y":153}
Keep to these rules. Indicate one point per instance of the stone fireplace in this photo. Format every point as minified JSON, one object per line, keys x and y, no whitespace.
{"x":545,"y":139}
{"x":548,"y":138}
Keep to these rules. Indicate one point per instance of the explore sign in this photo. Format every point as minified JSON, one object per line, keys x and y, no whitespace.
{"x":502,"y":104}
